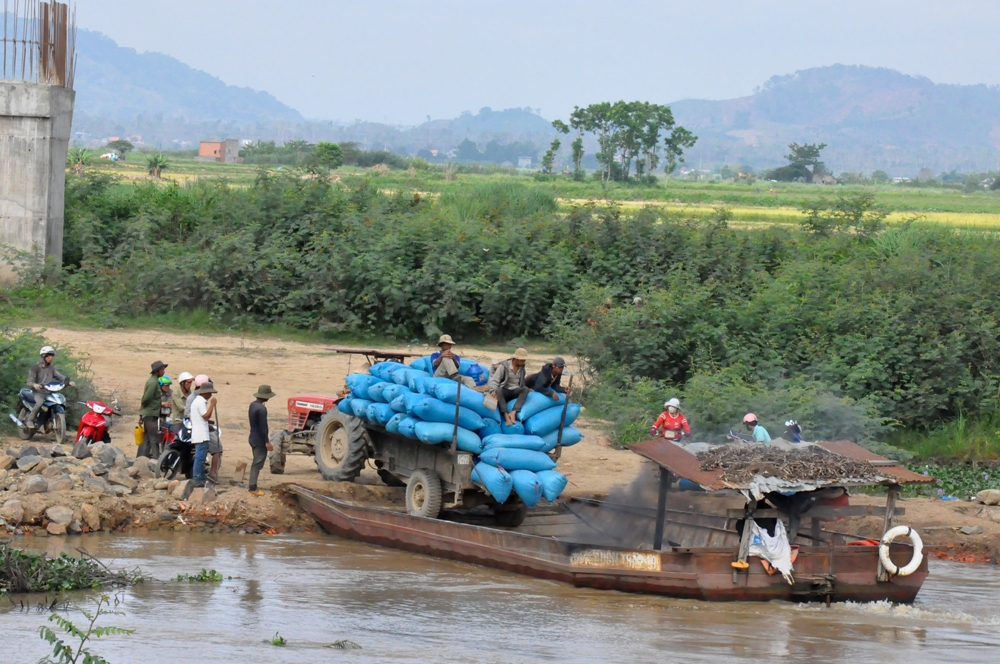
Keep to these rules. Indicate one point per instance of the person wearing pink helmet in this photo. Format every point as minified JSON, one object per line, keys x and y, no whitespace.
{"x":760,"y":434}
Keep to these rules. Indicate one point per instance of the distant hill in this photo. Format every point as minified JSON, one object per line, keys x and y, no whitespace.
{"x":870,"y":117}
{"x":115,"y":85}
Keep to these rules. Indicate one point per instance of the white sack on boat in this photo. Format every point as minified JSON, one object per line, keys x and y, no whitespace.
{"x":774,"y":550}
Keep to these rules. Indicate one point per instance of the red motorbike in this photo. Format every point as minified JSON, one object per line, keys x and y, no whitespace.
{"x":94,"y":425}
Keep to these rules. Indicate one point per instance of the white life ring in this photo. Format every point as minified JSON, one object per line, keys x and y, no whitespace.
{"x":918,"y":553}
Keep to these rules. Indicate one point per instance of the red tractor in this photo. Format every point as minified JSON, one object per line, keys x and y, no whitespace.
{"x":304,"y":415}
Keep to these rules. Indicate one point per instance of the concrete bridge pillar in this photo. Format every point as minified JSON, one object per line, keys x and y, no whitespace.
{"x":35,"y":122}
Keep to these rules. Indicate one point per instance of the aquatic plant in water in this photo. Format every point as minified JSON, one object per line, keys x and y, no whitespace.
{"x":67,"y":653}
{"x":25,"y":571}
{"x":204,"y":576}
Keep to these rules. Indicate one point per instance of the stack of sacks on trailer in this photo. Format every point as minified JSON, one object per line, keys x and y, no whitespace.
{"x":508,"y":459}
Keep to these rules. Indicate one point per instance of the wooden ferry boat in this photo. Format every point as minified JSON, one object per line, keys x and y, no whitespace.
{"x":685,"y":546}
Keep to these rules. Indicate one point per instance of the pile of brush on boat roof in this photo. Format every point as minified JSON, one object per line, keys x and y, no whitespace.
{"x":742,"y":463}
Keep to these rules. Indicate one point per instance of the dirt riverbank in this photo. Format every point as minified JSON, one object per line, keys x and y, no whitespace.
{"x":119,"y":361}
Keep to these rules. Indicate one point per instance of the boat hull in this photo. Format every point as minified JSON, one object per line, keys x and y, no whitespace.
{"x":824,"y":573}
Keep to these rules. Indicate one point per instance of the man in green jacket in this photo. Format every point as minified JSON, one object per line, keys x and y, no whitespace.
{"x":149,"y":412}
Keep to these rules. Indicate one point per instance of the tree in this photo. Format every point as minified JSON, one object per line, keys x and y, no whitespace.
{"x":857,"y":213}
{"x":996,"y":184}
{"x":329,"y":155}
{"x":629,"y":133}
{"x":79,"y":158}
{"x":156,"y":164}
{"x":803,"y":163}
{"x":880,"y":177}
{"x":550,"y":156}
{"x":122,"y":147}
{"x":468,"y":151}
{"x":298,"y":146}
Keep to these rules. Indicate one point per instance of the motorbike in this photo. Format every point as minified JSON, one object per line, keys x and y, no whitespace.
{"x":95,"y":425}
{"x":178,"y":453}
{"x":50,"y":419}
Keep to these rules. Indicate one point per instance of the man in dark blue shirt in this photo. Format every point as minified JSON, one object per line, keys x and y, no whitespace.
{"x":259,"y":436}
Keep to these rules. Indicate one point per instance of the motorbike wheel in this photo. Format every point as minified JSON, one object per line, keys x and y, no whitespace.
{"x":59,"y":428}
{"x":169,"y":465}
{"x":24,"y":433}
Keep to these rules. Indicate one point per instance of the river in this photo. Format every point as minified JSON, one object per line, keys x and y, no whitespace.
{"x":400,"y":607}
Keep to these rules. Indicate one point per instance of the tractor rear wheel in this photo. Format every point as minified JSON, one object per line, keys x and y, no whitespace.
{"x":342,"y":446}
{"x":277,"y":457}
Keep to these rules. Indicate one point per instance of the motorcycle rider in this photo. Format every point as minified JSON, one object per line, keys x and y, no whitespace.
{"x":41,"y":374}
{"x":149,"y":412}
{"x":178,"y":401}
{"x":671,"y":423}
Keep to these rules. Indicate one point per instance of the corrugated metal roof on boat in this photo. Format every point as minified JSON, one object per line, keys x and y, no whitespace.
{"x":684,"y":464}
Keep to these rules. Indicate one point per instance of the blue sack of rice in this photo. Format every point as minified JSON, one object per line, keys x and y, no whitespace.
{"x":515,"y":429}
{"x":434,"y":410}
{"x":360,"y":407}
{"x":427,"y":384}
{"x":439,"y":432}
{"x":392,"y":426}
{"x":392,"y":390}
{"x":510,"y":441}
{"x":407,"y":425}
{"x":423,"y":364}
{"x":380,"y":412}
{"x":411,"y":399}
{"x":527,"y":486}
{"x":490,"y":427}
{"x":496,"y":481}
{"x":509,"y":459}
{"x":548,"y":420}
{"x":344,"y":406}
{"x":359,"y":383}
{"x":553,"y":483}
{"x":375,"y":392}
{"x":399,"y":403}
{"x":448,"y":392}
{"x":404,"y":376}
{"x":384,"y":370}
{"x":571,"y":436}
{"x":535,"y":403}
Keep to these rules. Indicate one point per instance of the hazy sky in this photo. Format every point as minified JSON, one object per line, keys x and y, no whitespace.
{"x":400,"y":61}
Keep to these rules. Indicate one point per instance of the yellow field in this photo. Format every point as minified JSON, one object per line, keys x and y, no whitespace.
{"x":779,"y":216}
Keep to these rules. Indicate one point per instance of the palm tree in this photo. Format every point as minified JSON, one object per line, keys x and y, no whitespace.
{"x":156,"y":164}
{"x":78,"y":158}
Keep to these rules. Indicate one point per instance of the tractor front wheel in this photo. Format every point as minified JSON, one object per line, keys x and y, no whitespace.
{"x":277,"y":456}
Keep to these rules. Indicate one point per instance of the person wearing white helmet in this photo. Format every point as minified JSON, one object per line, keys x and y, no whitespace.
{"x":794,"y":430}
{"x":41,"y":374}
{"x":671,"y":424}
{"x":179,"y":401}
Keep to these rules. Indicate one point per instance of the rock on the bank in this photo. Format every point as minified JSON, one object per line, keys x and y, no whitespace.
{"x":59,"y":514}
{"x":12,"y":511}
{"x":56,"y":528}
{"x":180,"y":488}
{"x":63,"y":483}
{"x":26,"y":463}
{"x":121,"y":478}
{"x":7,"y":462}
{"x":36,"y":484}
{"x":202,"y":495}
{"x":90,"y":516}
{"x":988,"y":497}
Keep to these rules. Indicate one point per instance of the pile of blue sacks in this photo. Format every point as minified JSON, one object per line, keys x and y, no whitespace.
{"x":409,"y":401}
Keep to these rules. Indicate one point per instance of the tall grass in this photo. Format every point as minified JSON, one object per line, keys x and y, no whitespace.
{"x":962,"y":438}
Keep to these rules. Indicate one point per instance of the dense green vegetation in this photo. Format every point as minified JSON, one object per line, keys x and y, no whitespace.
{"x":853,"y":330}
{"x":24,"y":571}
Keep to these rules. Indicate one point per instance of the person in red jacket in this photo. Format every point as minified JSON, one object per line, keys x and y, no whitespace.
{"x":671,"y":424}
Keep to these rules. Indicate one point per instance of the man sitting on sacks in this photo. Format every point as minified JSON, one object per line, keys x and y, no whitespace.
{"x":446,"y":363}
{"x":548,"y":380}
{"x":508,"y":382}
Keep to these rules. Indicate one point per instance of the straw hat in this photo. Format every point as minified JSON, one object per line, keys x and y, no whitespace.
{"x":446,"y":339}
{"x":264,"y":392}
{"x":520,"y":354}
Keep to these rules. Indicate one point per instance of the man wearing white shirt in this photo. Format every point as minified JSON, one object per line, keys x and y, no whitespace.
{"x":202,"y":411}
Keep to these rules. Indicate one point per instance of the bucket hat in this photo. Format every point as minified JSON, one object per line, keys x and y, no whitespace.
{"x":156,"y":366}
{"x":207,"y":388}
{"x":446,"y":339}
{"x":520,"y":354}
{"x":264,"y":392}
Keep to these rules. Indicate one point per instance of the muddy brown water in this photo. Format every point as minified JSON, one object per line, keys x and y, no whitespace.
{"x":401,"y":607}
